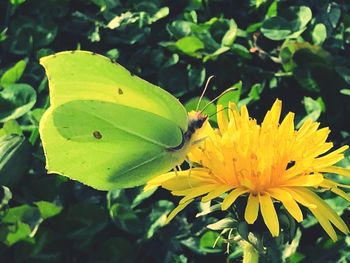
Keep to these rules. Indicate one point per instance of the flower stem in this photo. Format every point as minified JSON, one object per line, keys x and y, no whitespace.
{"x":250,"y":254}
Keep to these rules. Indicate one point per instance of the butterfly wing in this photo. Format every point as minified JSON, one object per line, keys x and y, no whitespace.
{"x":108,"y":146}
{"x":82,"y":75}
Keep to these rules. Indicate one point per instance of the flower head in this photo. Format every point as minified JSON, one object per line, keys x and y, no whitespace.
{"x":267,"y":163}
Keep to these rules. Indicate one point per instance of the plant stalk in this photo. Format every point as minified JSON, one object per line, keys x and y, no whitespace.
{"x":250,"y":254}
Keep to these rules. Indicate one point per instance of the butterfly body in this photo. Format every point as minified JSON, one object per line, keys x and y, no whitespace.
{"x":107,"y":128}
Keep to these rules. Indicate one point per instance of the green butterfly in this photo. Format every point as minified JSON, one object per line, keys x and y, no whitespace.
{"x":107,"y":128}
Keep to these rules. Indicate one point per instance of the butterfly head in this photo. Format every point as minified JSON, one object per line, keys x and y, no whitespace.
{"x":195,"y":121}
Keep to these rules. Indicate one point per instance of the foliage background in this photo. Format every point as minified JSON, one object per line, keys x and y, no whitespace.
{"x":297,"y":51}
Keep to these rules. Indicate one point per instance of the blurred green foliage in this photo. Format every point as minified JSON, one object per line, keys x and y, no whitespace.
{"x":297,"y":51}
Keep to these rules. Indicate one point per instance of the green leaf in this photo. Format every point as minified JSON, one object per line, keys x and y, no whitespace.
{"x":48,"y":209}
{"x":313,"y":108}
{"x":276,"y":28}
{"x":189,"y":45}
{"x":208,"y":240}
{"x":179,"y":28}
{"x":319,"y":34}
{"x":216,"y":53}
{"x":290,"y":25}
{"x":222,"y":224}
{"x":255,"y":91}
{"x":19,"y":223}
{"x":196,"y":76}
{"x":158,"y":217}
{"x":14,"y":158}
{"x":161,"y":13}
{"x":10,"y":127}
{"x":17,"y":2}
{"x":344,"y":72}
{"x":5,"y":196}
{"x":16,"y":100}
{"x":345,"y":92}
{"x":231,"y":96}
{"x":230,"y":35}
{"x":13,"y":74}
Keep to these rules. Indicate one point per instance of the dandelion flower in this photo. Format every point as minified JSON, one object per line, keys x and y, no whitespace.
{"x":267,"y":163}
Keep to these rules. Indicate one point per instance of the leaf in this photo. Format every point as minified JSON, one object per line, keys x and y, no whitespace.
{"x":158,"y":216}
{"x":48,"y":209}
{"x":13,"y":74}
{"x":208,"y":240}
{"x":19,"y":223}
{"x":319,"y":34}
{"x":10,"y":127}
{"x":255,"y":91}
{"x":5,"y":196}
{"x":222,"y":224}
{"x":17,"y":2}
{"x":345,"y":92}
{"x":16,"y":100}
{"x":313,"y":108}
{"x":189,"y":45}
{"x":290,"y":25}
{"x":14,"y":158}
{"x":161,"y":13}
{"x":196,"y":76}
{"x":179,"y":28}
{"x":344,"y":72}
{"x":124,"y":18}
{"x":230,"y":35}
{"x":231,"y":96}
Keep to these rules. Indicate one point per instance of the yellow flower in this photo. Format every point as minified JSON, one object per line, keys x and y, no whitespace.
{"x":268,"y":163}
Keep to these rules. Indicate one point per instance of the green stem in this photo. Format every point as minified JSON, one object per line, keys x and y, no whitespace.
{"x":250,"y":254}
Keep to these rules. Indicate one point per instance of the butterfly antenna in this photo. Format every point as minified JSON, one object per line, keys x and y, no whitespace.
{"x":216,"y":98}
{"x":225,"y":108}
{"x":204,"y":90}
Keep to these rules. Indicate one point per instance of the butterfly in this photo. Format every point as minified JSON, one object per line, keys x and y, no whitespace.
{"x":108,"y":128}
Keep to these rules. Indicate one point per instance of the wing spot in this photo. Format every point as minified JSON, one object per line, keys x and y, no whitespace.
{"x":72,"y":52}
{"x":97,"y":135}
{"x":120,"y":91}
{"x":94,"y":53}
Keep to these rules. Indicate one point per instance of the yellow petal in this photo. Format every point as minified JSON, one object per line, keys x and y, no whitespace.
{"x":272,"y":116}
{"x":231,"y":197}
{"x":194,"y":192}
{"x":304,"y":180}
{"x":184,"y":180}
{"x":216,"y":193}
{"x":324,"y":209}
{"x":341,"y":193}
{"x":158,"y":180}
{"x":336,"y":170}
{"x":269,"y":214}
{"x":252,"y":209}
{"x":330,"y":158}
{"x":324,"y":222}
{"x":300,"y":199}
{"x":222,"y":119}
{"x":177,"y":209}
{"x":288,"y":202}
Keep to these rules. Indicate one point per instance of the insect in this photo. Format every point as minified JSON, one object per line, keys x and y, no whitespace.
{"x":108,"y":128}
